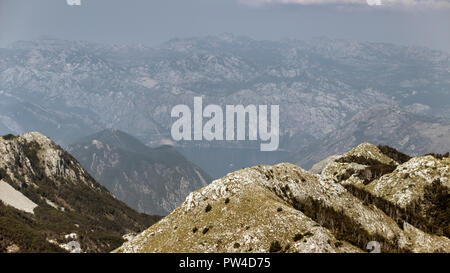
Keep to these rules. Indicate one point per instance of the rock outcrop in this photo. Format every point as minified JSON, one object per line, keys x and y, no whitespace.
{"x":283,"y":208}
{"x":51,"y":195}
{"x":414,"y":189}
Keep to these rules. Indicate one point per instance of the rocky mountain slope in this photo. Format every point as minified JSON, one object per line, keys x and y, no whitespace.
{"x":66,"y":88}
{"x":150,"y":180}
{"x":49,"y":203}
{"x":368,"y":194}
{"x":411,"y":133}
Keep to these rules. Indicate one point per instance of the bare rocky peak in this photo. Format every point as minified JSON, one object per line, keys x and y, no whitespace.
{"x":283,"y":208}
{"x":22,"y":157}
{"x":416,"y":189}
{"x":238,"y":213}
{"x":46,"y":194}
{"x":369,"y":151}
{"x":398,"y":182}
{"x":408,"y":182}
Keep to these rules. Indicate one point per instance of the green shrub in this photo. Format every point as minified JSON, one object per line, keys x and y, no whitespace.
{"x":205,"y":230}
{"x":439,"y":156}
{"x":394,"y":154}
{"x":275,"y":246}
{"x":298,"y":237}
{"x":9,"y":137}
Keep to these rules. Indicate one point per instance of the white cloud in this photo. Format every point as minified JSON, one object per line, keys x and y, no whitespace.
{"x":389,"y":3}
{"x":374,"y":2}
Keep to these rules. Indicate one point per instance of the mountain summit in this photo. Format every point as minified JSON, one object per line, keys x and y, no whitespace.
{"x":283,"y":208}
{"x":49,"y":203}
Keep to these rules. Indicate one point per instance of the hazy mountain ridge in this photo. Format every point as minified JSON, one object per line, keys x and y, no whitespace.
{"x":71,"y":89}
{"x":150,"y":180}
{"x":283,"y":208}
{"x":319,"y":83}
{"x":67,"y":200}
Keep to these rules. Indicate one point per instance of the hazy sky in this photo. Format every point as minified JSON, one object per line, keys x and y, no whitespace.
{"x":419,"y":22}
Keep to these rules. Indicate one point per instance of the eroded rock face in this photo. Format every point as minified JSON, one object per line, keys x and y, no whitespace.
{"x":284,"y":208}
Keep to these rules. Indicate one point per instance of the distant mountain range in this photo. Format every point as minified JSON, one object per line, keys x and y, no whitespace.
{"x":151,"y":180}
{"x":49,"y":203}
{"x":367,"y":199}
{"x":68,"y":89}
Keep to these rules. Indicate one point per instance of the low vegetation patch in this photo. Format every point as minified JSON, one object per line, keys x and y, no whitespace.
{"x":439,"y":156}
{"x":275,"y":246}
{"x":430,"y":214}
{"x":9,"y":137}
{"x":341,"y":225}
{"x":298,"y":237}
{"x":394,"y":154}
{"x":205,"y":230}
{"x":359,"y":160}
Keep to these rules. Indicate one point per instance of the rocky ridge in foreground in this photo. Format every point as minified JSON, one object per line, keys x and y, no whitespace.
{"x":359,"y":197}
